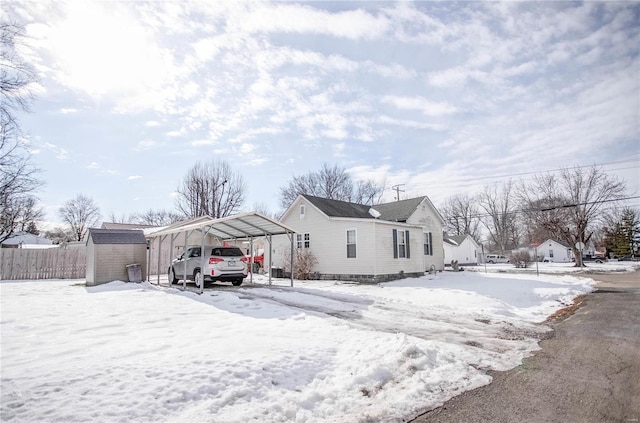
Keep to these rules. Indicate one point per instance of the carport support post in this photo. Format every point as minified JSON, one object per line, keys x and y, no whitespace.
{"x":251,"y":266}
{"x":184,"y":259}
{"x":291,"y":260}
{"x":270,"y":254}
{"x":160,"y":239}
{"x":202,"y":259}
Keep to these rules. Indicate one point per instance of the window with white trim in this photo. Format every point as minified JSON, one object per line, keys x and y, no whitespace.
{"x":428,"y":244}
{"x":302,"y":211}
{"x":303,"y":240}
{"x":402,"y":245}
{"x":351,"y":243}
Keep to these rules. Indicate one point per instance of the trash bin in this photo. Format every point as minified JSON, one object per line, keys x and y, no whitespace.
{"x":135,"y":272}
{"x":277,"y":272}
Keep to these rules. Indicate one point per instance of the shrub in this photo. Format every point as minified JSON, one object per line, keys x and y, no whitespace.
{"x":521,"y":259}
{"x":304,"y":261}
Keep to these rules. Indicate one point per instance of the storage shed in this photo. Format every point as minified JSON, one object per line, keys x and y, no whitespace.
{"x":110,"y":251}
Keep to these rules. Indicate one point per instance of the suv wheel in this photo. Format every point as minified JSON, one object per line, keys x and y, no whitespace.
{"x":172,"y":276}
{"x":237,"y":282}
{"x":198,"y":279}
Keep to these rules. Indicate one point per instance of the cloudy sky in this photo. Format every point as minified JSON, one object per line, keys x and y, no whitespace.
{"x":443,"y":97}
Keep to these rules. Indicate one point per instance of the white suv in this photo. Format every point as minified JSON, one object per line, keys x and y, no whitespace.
{"x":496,"y":258}
{"x":220,"y":264}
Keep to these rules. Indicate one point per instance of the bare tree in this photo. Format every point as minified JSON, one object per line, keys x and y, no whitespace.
{"x":569,"y":204}
{"x":158,"y":217}
{"x":211,"y":189}
{"x":461,"y":215}
{"x":18,"y":176}
{"x":80,"y":214}
{"x":17,"y":77}
{"x":499,"y":205}
{"x":333,"y":183}
{"x":123,"y":218}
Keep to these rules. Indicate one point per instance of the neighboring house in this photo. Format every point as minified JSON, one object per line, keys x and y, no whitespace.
{"x":555,"y":251}
{"x":25,"y":239}
{"x":462,"y":248}
{"x":127,"y":226}
{"x":363,"y":243}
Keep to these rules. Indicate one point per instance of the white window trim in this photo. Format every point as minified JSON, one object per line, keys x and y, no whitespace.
{"x":346,"y":234}
{"x":402,"y":240}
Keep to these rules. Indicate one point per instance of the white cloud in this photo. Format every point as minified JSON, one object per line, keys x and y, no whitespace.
{"x":246,"y":148}
{"x":152,"y":123}
{"x":427,"y":107}
{"x":134,"y":177}
{"x":68,"y":111}
{"x":92,"y":57}
{"x":145,"y":145}
{"x":292,"y":18}
{"x":93,"y":165}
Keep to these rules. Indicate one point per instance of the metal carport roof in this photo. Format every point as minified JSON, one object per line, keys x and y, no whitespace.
{"x":242,"y":226}
{"x":246,"y":225}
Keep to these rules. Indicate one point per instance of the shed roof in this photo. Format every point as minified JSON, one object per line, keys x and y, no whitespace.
{"x":116,"y":236}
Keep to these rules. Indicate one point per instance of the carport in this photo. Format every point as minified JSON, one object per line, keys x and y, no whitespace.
{"x":246,"y":226}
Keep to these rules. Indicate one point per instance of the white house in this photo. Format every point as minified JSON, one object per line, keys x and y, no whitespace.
{"x":555,"y":251}
{"x":462,"y":248}
{"x":362,"y":243}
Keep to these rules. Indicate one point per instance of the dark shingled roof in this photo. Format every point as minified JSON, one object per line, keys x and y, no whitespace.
{"x":397,"y":211}
{"x":335,"y":208}
{"x":116,"y":236}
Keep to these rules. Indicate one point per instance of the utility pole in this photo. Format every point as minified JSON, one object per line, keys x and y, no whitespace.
{"x":398,"y":190}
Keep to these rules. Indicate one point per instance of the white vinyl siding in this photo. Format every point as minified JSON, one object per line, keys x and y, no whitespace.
{"x":351,"y":243}
{"x":374,"y":244}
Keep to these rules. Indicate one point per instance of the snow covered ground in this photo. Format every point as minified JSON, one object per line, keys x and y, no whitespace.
{"x":323,"y":351}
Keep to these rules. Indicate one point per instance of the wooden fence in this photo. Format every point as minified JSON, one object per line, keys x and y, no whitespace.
{"x":54,"y":263}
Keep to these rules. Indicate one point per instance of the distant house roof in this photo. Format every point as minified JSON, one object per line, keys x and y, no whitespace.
{"x":397,"y":211}
{"x":116,"y":236}
{"x":564,"y":244}
{"x":448,"y":240}
{"x":128,"y":226}
{"x":26,"y":238}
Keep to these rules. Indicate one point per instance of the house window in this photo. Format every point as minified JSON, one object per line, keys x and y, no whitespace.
{"x":428,"y":244}
{"x":302,"y":210}
{"x":351,"y":243}
{"x":302,"y":240}
{"x":401,"y":244}
{"x":550,"y":253}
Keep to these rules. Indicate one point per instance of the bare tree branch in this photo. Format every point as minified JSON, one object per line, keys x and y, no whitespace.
{"x":80,"y":214}
{"x":211,"y":189}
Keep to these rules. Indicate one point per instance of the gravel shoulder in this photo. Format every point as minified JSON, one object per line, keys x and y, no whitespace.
{"x":587,"y":371}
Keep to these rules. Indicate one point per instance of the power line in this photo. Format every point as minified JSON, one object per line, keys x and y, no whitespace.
{"x":475,"y":179}
{"x":563,"y":206}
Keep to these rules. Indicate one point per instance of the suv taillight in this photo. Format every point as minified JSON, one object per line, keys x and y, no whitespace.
{"x":214,"y":260}
{"x":245,"y":259}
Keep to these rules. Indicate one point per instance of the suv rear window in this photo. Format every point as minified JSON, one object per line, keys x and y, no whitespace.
{"x":227,"y":252}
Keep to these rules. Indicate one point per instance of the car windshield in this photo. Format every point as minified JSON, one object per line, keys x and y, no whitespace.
{"x":227,"y":252}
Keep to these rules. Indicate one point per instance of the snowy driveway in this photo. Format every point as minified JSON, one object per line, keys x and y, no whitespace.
{"x":319,"y":352}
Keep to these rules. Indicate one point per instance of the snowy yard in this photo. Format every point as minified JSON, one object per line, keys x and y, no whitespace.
{"x":319,"y":352}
